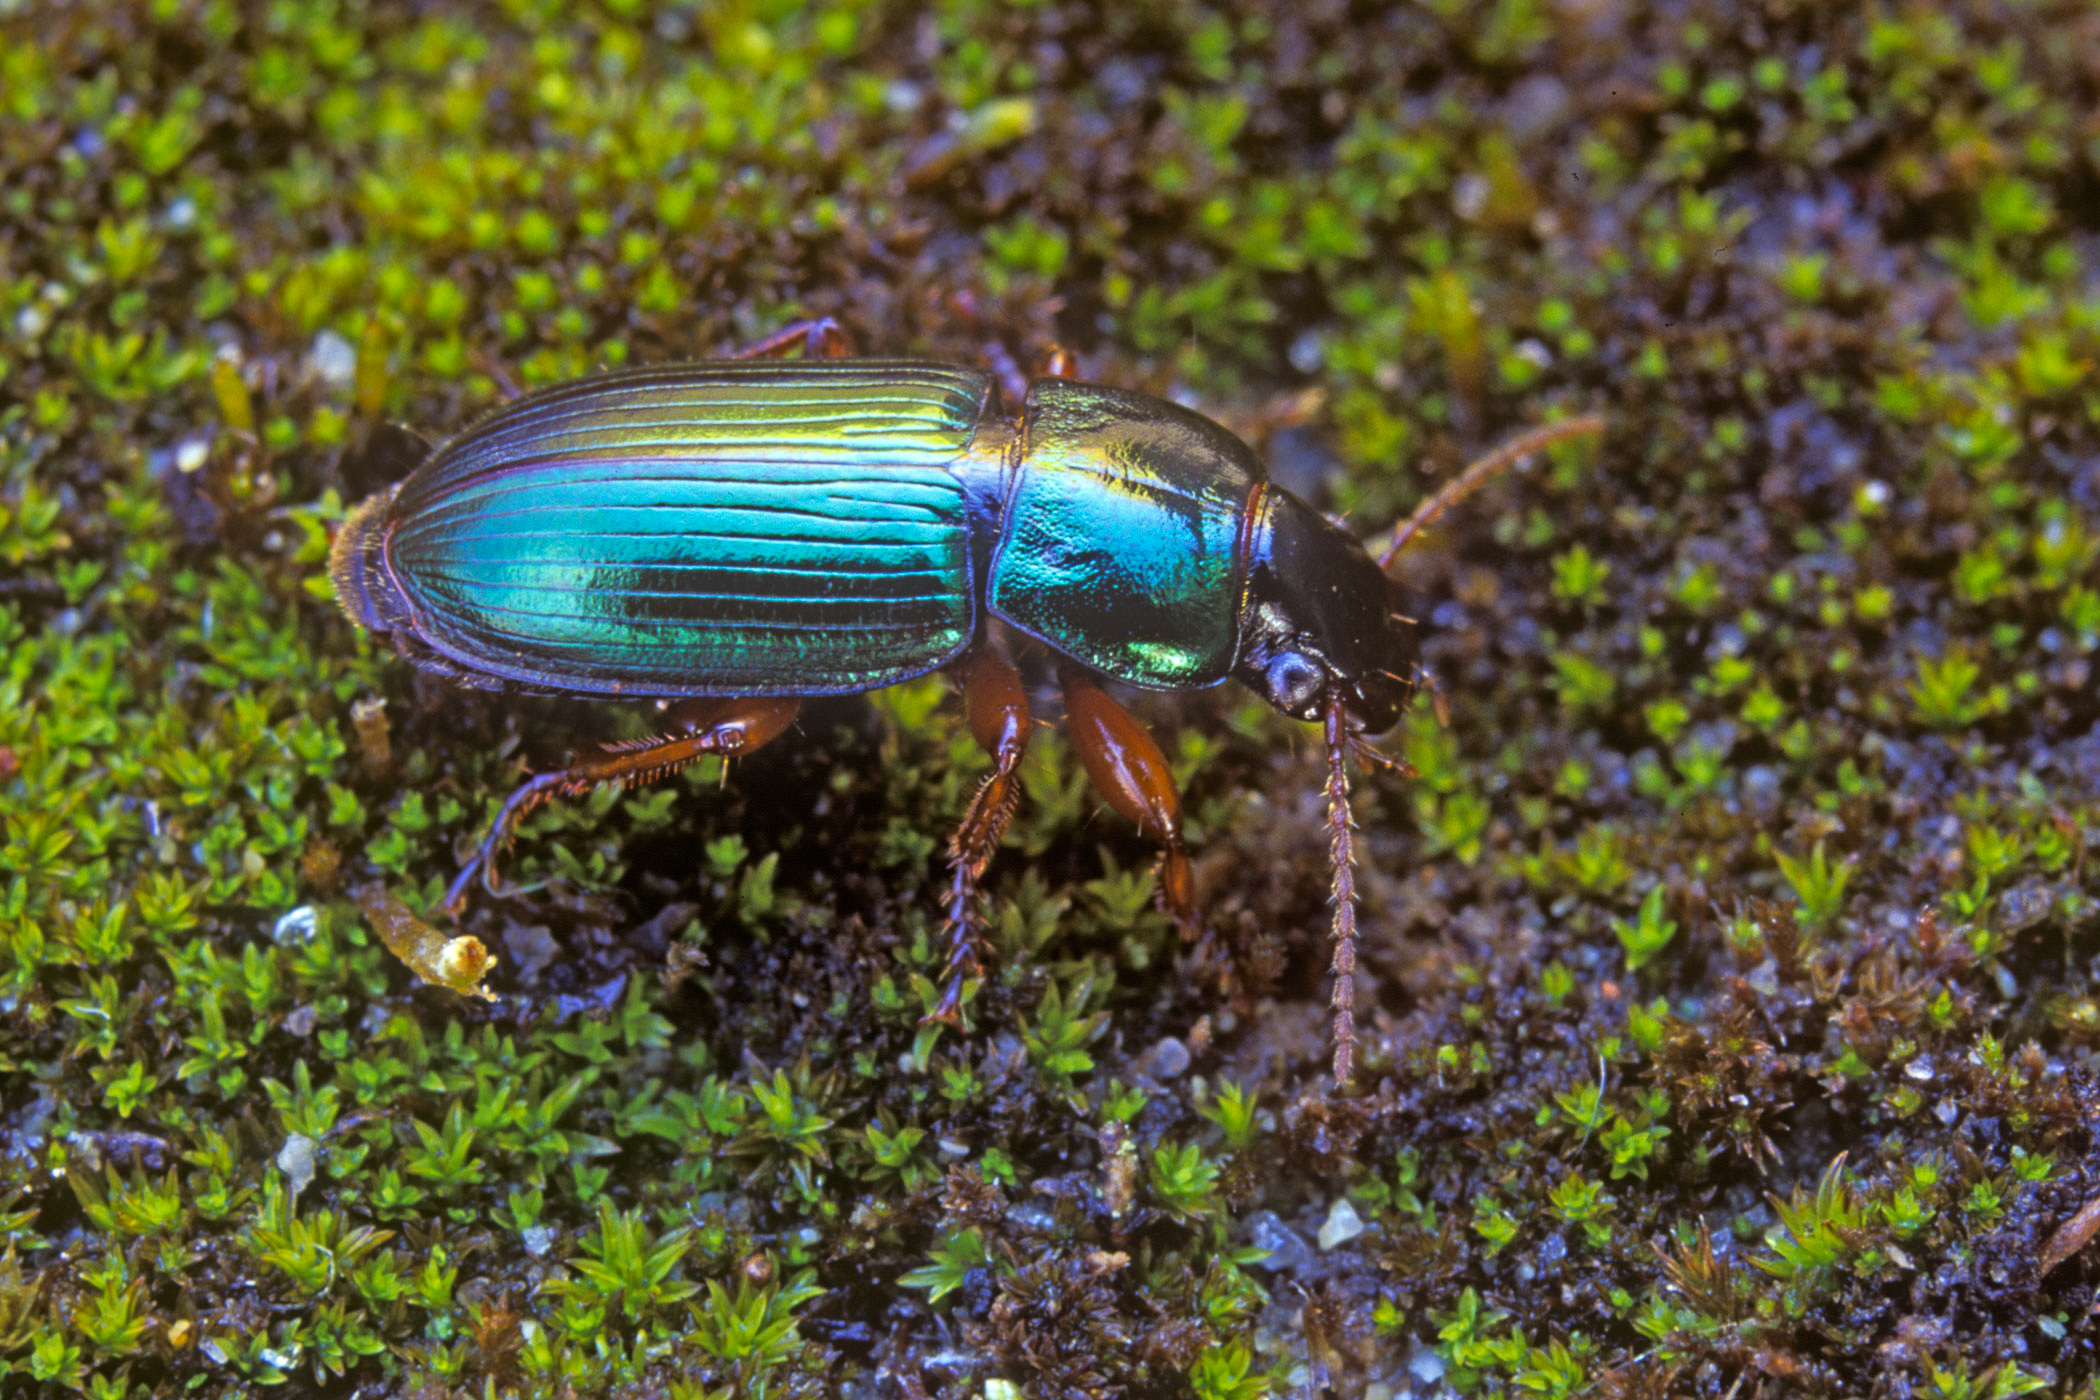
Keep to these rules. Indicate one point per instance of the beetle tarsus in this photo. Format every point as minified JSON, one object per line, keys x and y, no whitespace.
{"x":456,"y":896}
{"x":1176,"y":881}
{"x":949,"y":1012}
{"x":967,"y":861}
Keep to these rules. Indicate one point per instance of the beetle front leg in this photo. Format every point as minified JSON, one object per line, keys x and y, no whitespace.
{"x":997,"y":707}
{"x":1128,"y":770}
{"x":726,"y":727}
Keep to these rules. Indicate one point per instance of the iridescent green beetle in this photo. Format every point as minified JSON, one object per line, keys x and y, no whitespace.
{"x":739,"y":534}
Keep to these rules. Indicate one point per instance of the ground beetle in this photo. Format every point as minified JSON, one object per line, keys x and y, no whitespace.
{"x":738,"y":534}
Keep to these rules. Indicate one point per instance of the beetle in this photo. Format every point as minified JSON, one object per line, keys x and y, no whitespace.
{"x":737,"y":535}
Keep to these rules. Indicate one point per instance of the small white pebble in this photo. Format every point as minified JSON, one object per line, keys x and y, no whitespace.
{"x":333,"y":360}
{"x":296,"y":1160}
{"x":1343,"y":1224}
{"x":294,"y":928}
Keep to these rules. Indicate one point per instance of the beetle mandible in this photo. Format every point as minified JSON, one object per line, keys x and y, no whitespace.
{"x":738,"y":534}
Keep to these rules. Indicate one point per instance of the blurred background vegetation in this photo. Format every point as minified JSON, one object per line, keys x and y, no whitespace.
{"x":1729,"y":963}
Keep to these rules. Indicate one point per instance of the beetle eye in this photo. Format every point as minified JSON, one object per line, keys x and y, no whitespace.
{"x":1293,"y":683}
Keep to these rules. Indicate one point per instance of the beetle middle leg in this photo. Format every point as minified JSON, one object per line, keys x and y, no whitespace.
{"x":1126,"y":767}
{"x":728,"y":727}
{"x":997,"y":707}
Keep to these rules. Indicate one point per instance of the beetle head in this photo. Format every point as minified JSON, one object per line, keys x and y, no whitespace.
{"x":1319,"y":622}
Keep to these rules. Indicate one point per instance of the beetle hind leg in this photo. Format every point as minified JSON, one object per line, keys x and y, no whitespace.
{"x":724,"y":727}
{"x":1126,"y":767}
{"x":997,"y":707}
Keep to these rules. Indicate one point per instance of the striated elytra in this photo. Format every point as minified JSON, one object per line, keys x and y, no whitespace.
{"x":737,"y":534}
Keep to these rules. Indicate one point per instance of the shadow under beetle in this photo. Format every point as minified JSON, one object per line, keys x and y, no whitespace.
{"x":738,"y":534}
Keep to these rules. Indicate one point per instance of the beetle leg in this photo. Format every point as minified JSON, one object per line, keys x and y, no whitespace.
{"x":820,"y":338}
{"x":1128,"y":770}
{"x":997,"y":706}
{"x":728,"y":727}
{"x":1341,"y":851}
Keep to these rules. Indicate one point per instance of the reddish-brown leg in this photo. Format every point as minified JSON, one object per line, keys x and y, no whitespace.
{"x":1128,"y":770}
{"x":727,"y":727}
{"x":818,"y":339}
{"x":997,"y":707}
{"x":1341,"y":851}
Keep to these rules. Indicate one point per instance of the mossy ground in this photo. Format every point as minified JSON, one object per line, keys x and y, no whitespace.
{"x":1730,"y":965}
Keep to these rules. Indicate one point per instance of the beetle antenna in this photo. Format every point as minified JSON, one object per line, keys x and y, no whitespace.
{"x":1341,"y":846}
{"x":1481,"y":472}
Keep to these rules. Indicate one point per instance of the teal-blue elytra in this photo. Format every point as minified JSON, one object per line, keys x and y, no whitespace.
{"x":725,"y":528}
